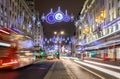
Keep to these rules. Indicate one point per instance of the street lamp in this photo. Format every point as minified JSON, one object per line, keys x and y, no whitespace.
{"x":55,"y":32}
{"x":60,"y":33}
{"x":58,"y":41}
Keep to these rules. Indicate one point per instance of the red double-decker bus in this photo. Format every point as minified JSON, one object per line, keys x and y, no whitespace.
{"x":13,"y":54}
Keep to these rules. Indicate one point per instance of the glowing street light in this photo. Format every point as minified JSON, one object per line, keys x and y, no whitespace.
{"x":62,"y":32}
{"x":55,"y":32}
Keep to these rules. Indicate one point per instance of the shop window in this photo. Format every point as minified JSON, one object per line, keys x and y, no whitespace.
{"x":114,"y":27}
{"x":119,"y":25}
{"x":118,"y":52}
{"x":107,"y":30}
{"x":112,"y":15}
{"x":117,"y":28}
{"x":103,"y":31}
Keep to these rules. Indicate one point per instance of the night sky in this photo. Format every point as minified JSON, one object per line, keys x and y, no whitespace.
{"x":72,"y":6}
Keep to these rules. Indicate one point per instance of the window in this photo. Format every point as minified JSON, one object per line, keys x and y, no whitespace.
{"x":112,"y":15}
{"x":118,"y":11}
{"x":112,"y":3}
{"x":107,"y":30}
{"x":109,"y":6}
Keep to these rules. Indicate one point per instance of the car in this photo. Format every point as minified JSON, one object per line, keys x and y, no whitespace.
{"x":50,"y":56}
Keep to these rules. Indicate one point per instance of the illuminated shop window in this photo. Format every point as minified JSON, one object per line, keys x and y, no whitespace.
{"x":119,"y":24}
{"x":118,"y":52}
{"x":103,"y":31}
{"x":110,"y":29}
{"x":114,"y":27}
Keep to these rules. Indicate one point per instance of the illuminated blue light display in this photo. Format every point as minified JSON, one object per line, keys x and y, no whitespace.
{"x":58,"y":16}
{"x":50,"y":17}
{"x":66,"y":17}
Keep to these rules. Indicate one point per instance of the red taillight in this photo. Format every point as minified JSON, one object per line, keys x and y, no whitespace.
{"x":106,"y":57}
{"x":4,"y":31}
{"x":0,"y":62}
{"x":11,"y":62}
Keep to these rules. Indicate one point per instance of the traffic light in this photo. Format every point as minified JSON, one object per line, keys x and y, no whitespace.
{"x":57,"y":53}
{"x":42,"y":53}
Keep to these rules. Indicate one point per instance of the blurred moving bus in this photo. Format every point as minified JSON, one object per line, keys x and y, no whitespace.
{"x":13,"y":55}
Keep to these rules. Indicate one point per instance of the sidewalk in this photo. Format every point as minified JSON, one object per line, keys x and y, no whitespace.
{"x":116,"y":63}
{"x":58,"y":71}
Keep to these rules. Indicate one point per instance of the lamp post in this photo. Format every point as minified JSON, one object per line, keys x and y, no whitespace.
{"x":58,"y":41}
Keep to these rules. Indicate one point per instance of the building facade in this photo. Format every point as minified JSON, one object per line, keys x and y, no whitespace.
{"x":99,"y":31}
{"x":18,"y":16}
{"x":31,"y":5}
{"x":15,"y":14}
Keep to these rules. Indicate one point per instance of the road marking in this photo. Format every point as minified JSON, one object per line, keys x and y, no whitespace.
{"x":89,"y":71}
{"x":112,"y":73}
{"x":106,"y":65}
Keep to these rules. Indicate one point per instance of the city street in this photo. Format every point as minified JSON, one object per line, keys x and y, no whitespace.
{"x":59,"y":39}
{"x":35,"y":71}
{"x":87,"y":70}
{"x":64,"y":68}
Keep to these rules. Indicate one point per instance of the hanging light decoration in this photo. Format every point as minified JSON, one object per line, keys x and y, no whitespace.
{"x":34,"y":18}
{"x":66,"y":41}
{"x":72,"y":17}
{"x":58,"y":16}
{"x":50,"y":17}
{"x":38,"y":23}
{"x":68,"y":38}
{"x":48,"y":41}
{"x":29,"y":25}
{"x":43,"y":17}
{"x":45,"y":39}
{"x":66,"y":17}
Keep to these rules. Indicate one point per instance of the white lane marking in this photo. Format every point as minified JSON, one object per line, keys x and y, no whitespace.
{"x":112,"y":73}
{"x":101,"y":64}
{"x":92,"y":72}
{"x":96,"y":58}
{"x":86,"y":70}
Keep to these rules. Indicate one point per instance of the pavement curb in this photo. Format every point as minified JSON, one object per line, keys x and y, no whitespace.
{"x":49,"y":73}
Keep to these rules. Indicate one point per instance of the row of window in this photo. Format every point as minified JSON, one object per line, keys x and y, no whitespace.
{"x":111,"y":14}
{"x":104,"y":32}
{"x":13,"y":9}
